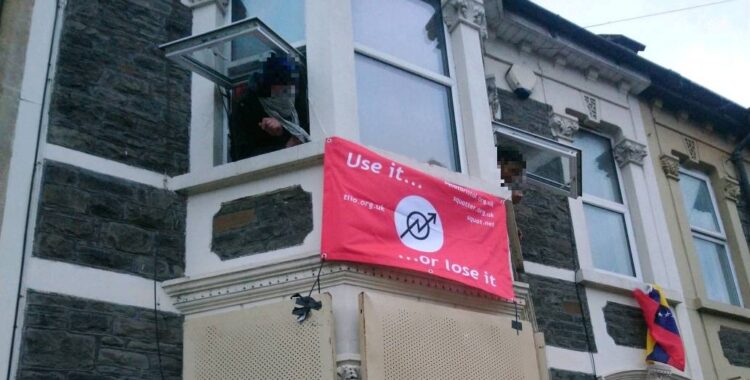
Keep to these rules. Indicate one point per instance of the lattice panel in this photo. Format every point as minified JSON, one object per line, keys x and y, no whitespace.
{"x":261,"y":343}
{"x":405,"y":339}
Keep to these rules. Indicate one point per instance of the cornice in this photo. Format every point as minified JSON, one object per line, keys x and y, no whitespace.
{"x":282,"y":279}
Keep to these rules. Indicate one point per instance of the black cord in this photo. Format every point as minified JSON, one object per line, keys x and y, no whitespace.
{"x":317,"y":279}
{"x":585,"y":320}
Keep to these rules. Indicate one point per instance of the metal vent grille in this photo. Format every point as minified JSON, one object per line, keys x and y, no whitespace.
{"x":263,"y":342}
{"x":406,"y":339}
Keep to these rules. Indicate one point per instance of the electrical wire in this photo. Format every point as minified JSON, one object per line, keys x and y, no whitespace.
{"x":658,"y":13}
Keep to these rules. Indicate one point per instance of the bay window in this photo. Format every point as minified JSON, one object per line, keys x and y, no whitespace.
{"x":709,"y":238}
{"x":404,"y":87}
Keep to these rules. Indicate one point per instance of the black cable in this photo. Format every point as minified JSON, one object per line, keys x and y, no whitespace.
{"x":317,"y":279}
{"x":659,"y":13}
{"x":585,"y":321}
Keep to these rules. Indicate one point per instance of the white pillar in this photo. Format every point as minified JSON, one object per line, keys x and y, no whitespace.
{"x":331,"y":80}
{"x":467,"y":26}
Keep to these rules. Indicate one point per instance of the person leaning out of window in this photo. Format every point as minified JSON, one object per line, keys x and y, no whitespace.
{"x":268,"y":113}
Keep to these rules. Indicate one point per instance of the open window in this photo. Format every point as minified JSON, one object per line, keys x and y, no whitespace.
{"x":262,"y":82}
{"x":540,"y":160}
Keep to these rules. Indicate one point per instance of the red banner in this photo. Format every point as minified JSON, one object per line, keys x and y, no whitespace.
{"x":377,"y":211}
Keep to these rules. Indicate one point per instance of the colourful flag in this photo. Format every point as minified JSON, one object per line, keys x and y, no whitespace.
{"x":663,"y":342}
{"x":378,"y":211}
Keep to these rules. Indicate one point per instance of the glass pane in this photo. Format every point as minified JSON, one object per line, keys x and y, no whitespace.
{"x":599,"y":173}
{"x":542,"y":165}
{"x":717,"y":274}
{"x":609,"y":240}
{"x":285,"y":17}
{"x":698,"y":203}
{"x":404,"y":113}
{"x":408,"y":29}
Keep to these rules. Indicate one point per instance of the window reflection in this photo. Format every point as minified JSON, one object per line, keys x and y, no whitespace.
{"x":698,"y":204}
{"x":599,"y":173}
{"x":609,"y":240}
{"x":404,"y":113}
{"x":411,"y":30}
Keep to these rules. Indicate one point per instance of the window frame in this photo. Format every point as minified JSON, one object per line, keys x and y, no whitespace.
{"x":448,"y":80}
{"x":580,"y":223}
{"x":719,"y":238}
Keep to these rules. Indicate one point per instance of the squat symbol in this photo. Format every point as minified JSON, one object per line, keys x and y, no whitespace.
{"x":417,"y":220}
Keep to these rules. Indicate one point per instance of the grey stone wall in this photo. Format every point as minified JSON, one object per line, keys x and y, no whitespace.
{"x":559,"y":374}
{"x":261,"y":223}
{"x":114,"y":94}
{"x":558,"y":313}
{"x":736,"y":345}
{"x":95,"y":220}
{"x":547,"y":231}
{"x":625,"y":325}
{"x":74,"y":338}
{"x":526,"y":114}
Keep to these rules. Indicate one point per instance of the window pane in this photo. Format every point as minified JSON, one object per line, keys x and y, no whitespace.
{"x":717,"y":274}
{"x":408,"y":29}
{"x":698,"y":203}
{"x":599,"y":173}
{"x":404,"y":113}
{"x":285,"y":17}
{"x":609,"y":240}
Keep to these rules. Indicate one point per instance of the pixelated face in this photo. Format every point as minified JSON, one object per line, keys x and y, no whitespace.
{"x":512,"y":170}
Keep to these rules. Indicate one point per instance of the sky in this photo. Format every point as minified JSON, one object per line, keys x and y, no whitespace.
{"x":709,"y":45}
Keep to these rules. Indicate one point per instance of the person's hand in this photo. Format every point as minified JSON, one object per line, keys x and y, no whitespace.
{"x":292,"y":142}
{"x":271,"y":126}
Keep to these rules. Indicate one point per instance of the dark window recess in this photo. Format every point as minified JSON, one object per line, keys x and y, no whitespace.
{"x":262,"y":80}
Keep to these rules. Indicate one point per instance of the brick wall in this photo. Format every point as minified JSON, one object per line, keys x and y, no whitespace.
{"x":95,"y":220}
{"x":261,"y":223}
{"x":115,"y":95}
{"x":74,"y":338}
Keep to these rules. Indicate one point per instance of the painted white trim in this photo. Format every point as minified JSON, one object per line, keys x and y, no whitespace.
{"x":568,"y":360}
{"x":549,"y":271}
{"x":96,"y":284}
{"x":104,"y":166}
{"x":20,"y":172}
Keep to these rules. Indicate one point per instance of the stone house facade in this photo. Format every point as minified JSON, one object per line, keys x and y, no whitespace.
{"x":132,"y":247}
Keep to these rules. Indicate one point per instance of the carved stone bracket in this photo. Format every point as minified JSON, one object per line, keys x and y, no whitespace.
{"x":564,"y":127}
{"x":731,"y":190}
{"x":630,"y":152}
{"x":493,"y":98}
{"x":467,"y":12}
{"x":671,"y":166}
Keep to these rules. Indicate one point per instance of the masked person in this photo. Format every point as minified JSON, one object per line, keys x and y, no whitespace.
{"x":266,"y":112}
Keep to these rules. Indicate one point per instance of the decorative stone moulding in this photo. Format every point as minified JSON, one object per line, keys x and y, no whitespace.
{"x":468,"y":12}
{"x":691,"y":148}
{"x":493,"y":98}
{"x":564,"y":127}
{"x":731,"y":190}
{"x":629,"y":152}
{"x":592,"y":107}
{"x":671,"y":166}
{"x":348,"y":371}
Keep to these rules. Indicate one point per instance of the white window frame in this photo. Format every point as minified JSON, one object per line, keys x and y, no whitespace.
{"x":580,"y":227}
{"x":719,"y":238}
{"x":444,"y":80}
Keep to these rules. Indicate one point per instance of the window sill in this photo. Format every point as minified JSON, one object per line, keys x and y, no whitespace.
{"x":597,"y":279}
{"x":722,"y":309}
{"x":265,"y":165}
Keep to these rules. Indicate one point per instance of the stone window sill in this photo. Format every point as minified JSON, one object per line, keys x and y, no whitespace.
{"x":722,"y":309}
{"x":597,"y":279}
{"x":297,"y":157}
